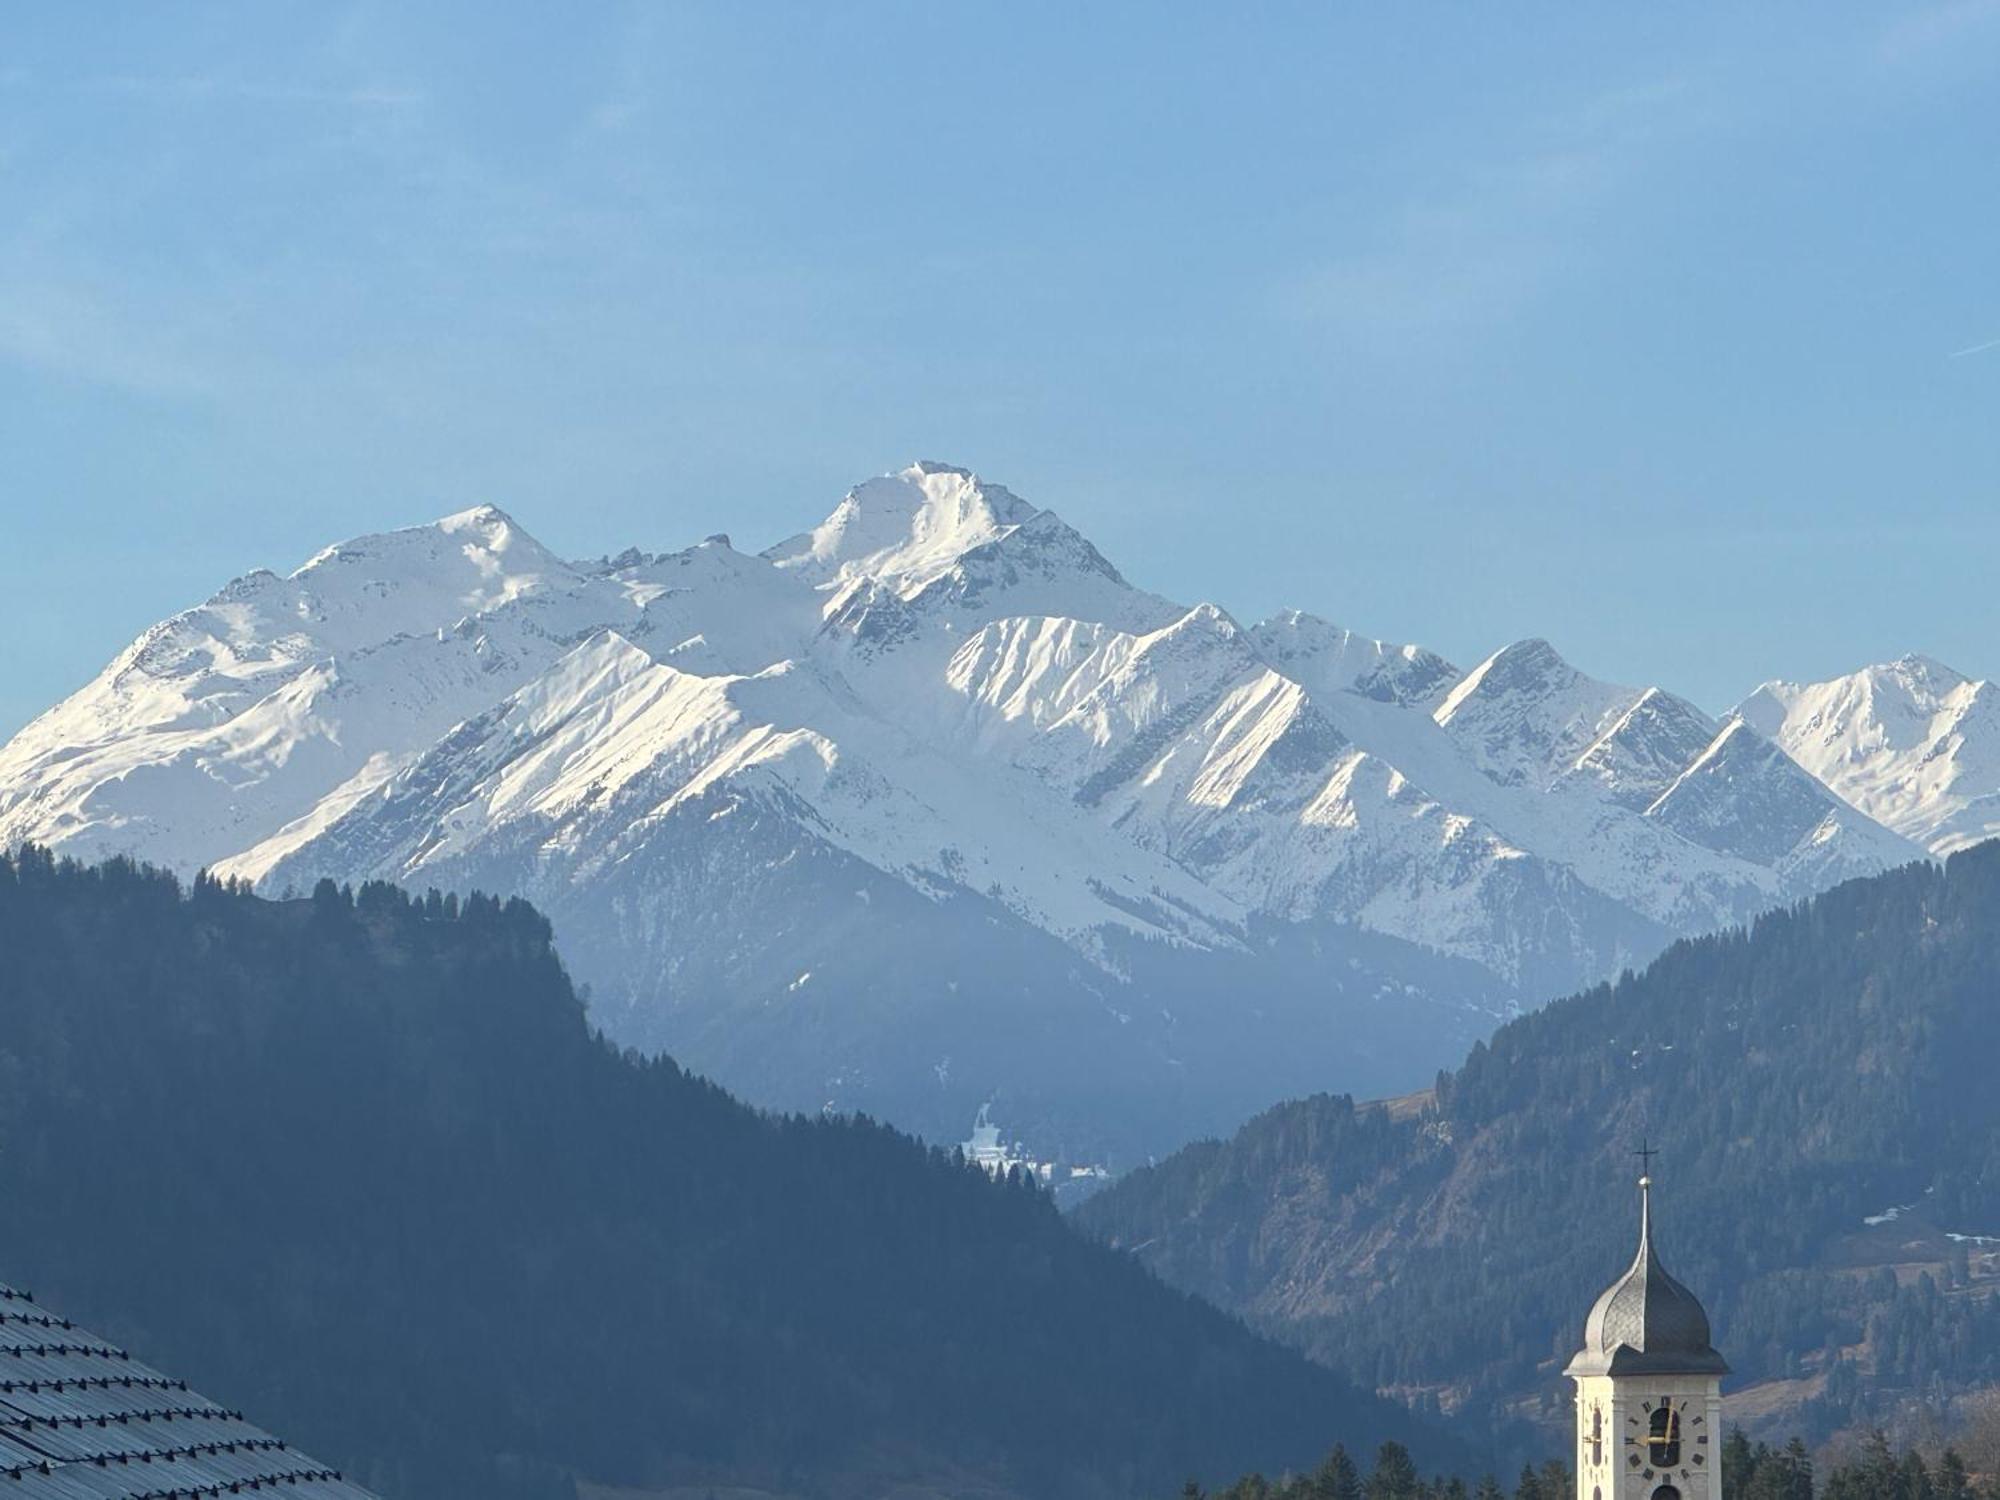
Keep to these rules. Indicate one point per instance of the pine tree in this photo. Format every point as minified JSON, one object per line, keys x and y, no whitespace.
{"x":1952,"y":1482}
{"x":1797,"y":1466}
{"x":1913,"y":1477}
{"x":1336,"y":1478}
{"x":1874,"y":1475}
{"x":1739,"y":1463}
{"x":1394,"y":1476}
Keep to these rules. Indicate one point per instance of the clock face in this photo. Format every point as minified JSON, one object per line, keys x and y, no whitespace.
{"x":1663,"y":1434}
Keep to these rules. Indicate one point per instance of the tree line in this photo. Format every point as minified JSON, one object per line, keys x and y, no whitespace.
{"x":1750,"y":1471}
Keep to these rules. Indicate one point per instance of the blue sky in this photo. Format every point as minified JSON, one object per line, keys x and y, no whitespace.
{"x":1670,"y":334}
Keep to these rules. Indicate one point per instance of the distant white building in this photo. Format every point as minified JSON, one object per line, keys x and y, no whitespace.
{"x":986,"y":1150}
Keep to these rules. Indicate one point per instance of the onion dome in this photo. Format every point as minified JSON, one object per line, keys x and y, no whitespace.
{"x":1647,"y":1323}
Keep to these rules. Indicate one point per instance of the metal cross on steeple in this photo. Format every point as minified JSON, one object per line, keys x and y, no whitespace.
{"x":1645,"y":1153}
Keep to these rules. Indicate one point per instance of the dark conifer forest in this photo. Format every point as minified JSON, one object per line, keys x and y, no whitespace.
{"x":1821,"y":1088}
{"x":357,"y":1164}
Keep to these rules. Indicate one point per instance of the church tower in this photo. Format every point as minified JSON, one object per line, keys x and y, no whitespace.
{"x":1648,"y":1387}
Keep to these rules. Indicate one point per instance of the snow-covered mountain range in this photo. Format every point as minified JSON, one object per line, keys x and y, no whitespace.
{"x":928,"y":806}
{"x":1913,"y":744}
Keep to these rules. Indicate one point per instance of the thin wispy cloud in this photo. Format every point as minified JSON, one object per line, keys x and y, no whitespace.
{"x":80,"y":334}
{"x":1480,"y":247}
{"x":1927,"y":29}
{"x":1467,"y":254}
{"x":199,"y":88}
{"x":1972,"y":349}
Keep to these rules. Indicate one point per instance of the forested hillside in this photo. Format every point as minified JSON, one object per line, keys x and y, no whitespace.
{"x":1821,"y":1088}
{"x":358,"y":1162}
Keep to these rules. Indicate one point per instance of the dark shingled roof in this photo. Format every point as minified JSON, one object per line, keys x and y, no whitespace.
{"x":1647,"y":1323}
{"x":80,"y":1419}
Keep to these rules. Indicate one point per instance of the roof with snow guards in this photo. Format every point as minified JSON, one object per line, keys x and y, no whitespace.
{"x":80,"y":1419}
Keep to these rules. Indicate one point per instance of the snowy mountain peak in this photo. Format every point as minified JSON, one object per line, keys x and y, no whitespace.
{"x":1647,"y":747}
{"x":421,"y":577}
{"x":1913,"y":743}
{"x":1527,"y":718}
{"x":1206,"y":619}
{"x":909,"y":526}
{"x":1745,"y":795}
{"x":1932,"y":674}
{"x":484,"y":529}
{"x":929,"y":467}
{"x":604,"y":665}
{"x":1525,"y":715}
{"x":1327,"y":658}
{"x":487,"y":521}
{"x":1889,"y":706}
{"x":1527,"y":666}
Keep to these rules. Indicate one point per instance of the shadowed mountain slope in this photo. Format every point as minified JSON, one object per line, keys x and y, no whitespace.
{"x":359,"y":1161}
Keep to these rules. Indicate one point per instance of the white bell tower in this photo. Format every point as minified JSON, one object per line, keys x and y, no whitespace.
{"x":1648,"y":1386}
